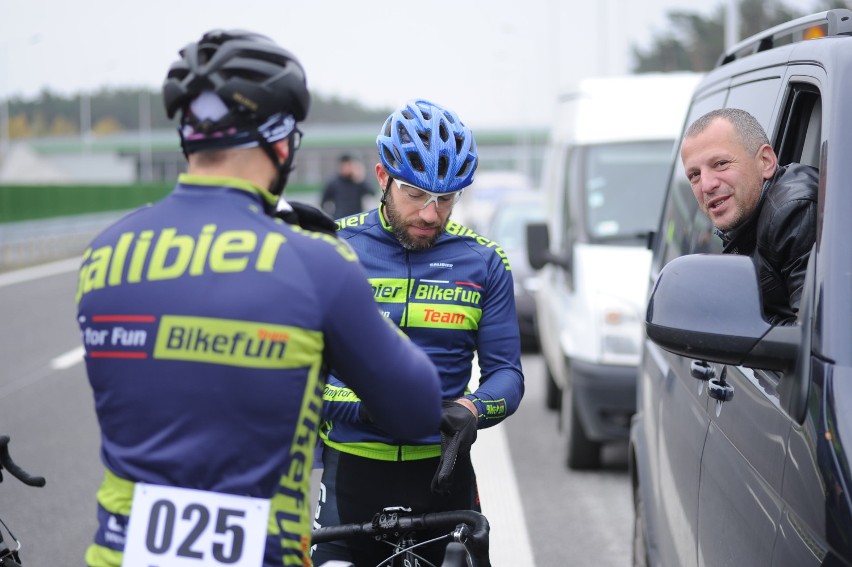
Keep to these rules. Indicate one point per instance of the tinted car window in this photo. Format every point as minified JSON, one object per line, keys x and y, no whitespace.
{"x":800,"y":131}
{"x":756,"y":98}
{"x":681,"y":213}
{"x":509,"y":224}
{"x":624,"y":187}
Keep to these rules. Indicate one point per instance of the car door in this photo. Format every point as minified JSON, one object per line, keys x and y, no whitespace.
{"x":675,"y":412}
{"x":740,"y":502}
{"x":803,"y":529}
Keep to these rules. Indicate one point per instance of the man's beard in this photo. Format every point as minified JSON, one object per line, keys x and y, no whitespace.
{"x":399,"y":226}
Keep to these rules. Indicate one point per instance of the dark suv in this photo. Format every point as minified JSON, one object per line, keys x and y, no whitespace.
{"x":741,"y":444}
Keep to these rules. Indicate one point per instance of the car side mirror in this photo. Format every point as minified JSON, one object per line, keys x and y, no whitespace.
{"x":538,"y":248}
{"x":649,"y":240}
{"x":708,"y":307}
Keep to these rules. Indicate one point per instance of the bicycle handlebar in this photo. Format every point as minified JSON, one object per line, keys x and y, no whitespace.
{"x":7,"y":463}
{"x":385,"y":523}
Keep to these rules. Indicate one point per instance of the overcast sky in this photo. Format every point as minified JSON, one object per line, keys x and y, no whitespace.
{"x":496,"y":62}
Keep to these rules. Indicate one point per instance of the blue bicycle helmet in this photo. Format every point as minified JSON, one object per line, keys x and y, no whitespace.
{"x":428,"y":146}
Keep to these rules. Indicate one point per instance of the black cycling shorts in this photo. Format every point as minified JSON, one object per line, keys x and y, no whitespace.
{"x":354,"y":489}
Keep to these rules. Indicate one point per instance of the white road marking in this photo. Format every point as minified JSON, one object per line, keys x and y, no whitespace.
{"x":509,"y":541}
{"x":67,"y":360}
{"x":41,"y":271}
{"x":75,"y":355}
{"x":501,"y":503}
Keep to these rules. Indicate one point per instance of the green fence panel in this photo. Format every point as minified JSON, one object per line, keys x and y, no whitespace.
{"x":30,"y":202}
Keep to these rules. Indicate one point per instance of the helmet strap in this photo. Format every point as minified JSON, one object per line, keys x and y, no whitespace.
{"x":387,"y":188}
{"x":282,"y":169}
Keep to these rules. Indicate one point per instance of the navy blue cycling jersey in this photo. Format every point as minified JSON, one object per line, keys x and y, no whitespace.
{"x":208,"y":326}
{"x":453,"y":299}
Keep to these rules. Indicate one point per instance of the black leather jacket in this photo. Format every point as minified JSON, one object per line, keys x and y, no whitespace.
{"x":779,"y":235}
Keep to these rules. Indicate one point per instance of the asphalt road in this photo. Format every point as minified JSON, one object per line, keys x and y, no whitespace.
{"x":570,"y":518}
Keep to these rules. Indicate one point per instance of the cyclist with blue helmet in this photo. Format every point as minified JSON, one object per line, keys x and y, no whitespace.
{"x":450,"y":290}
{"x":209,"y":324}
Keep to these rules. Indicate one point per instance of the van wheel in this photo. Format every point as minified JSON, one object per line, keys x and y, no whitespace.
{"x":583,"y":453}
{"x":553,"y":395}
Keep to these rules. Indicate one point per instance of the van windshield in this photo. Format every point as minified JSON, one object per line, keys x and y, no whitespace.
{"x":625,"y":185}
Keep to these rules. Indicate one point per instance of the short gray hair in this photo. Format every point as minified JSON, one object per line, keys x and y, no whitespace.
{"x":748,"y":129}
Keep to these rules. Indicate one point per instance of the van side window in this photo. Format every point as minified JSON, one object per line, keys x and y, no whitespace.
{"x":799,"y":132}
{"x":678,"y":217}
{"x":681,"y":216}
{"x":752,"y":97}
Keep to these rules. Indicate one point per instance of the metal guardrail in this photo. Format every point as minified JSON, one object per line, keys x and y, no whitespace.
{"x":28,"y":243}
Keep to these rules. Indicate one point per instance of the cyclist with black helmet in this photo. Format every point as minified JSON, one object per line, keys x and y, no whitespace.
{"x":450,"y":290}
{"x":209,"y":323}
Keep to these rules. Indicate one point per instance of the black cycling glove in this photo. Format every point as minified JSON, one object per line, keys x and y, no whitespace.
{"x":458,"y":432}
{"x":308,"y":217}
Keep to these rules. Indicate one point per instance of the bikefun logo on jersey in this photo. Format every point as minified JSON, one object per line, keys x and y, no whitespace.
{"x":444,"y":304}
{"x":462,"y":292}
{"x":246,"y":344}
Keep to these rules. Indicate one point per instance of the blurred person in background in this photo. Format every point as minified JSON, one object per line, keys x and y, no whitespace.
{"x":344,"y":194}
{"x":450,"y":290}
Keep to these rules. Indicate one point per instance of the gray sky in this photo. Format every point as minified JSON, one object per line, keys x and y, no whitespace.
{"x":496,"y":62}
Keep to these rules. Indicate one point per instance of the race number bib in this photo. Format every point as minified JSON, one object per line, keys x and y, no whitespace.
{"x":181,"y":527}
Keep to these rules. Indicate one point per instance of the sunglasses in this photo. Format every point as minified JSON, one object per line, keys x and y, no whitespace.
{"x":423,"y":198}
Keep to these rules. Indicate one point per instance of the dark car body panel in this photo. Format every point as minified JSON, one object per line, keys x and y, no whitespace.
{"x":764,"y":477}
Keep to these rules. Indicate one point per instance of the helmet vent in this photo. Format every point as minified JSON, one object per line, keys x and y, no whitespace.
{"x":424,"y":137}
{"x":403,"y":133}
{"x":464,"y":168}
{"x":390,"y":158}
{"x":443,"y":166}
{"x":414,"y":160}
{"x":443,"y":132}
{"x":459,"y":144}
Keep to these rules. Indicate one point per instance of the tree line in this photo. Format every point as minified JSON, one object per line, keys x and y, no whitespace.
{"x":112,"y":110}
{"x":692,"y":42}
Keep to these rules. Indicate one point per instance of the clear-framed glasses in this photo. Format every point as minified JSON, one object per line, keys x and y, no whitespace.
{"x":297,"y":138}
{"x":423,"y":198}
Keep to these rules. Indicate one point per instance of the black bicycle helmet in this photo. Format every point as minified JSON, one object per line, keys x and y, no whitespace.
{"x":252,"y":75}
{"x":259,"y":86}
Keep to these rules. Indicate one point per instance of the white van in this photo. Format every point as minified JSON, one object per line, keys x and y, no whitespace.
{"x":604,"y":179}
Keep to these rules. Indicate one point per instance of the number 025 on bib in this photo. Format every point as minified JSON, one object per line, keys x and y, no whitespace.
{"x":181,"y":527}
